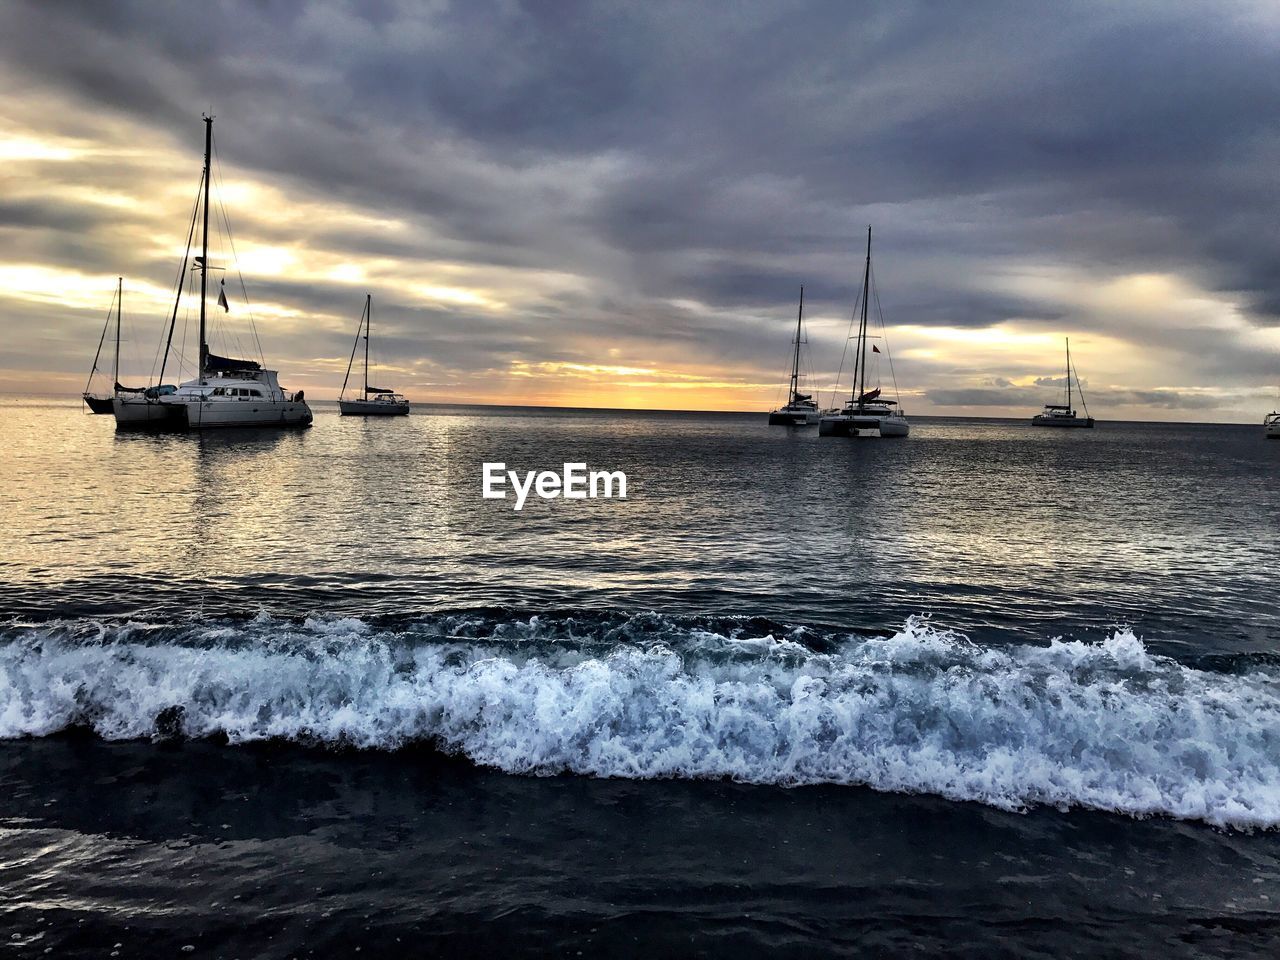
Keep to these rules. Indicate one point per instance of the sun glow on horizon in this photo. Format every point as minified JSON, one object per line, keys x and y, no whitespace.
{"x":316,"y":257}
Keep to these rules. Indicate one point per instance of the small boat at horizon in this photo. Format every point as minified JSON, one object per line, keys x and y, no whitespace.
{"x":867,"y":413}
{"x":373,"y":401}
{"x":95,"y":403}
{"x":1064,"y":414}
{"x":226,"y":392}
{"x":800,"y":410}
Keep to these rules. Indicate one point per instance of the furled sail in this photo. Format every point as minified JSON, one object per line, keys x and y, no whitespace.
{"x":216,"y":364}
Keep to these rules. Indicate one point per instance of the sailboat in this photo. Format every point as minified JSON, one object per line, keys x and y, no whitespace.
{"x":226,"y":392}
{"x":1271,"y":425}
{"x":801,"y":409}
{"x":867,"y":413}
{"x":372,"y":401}
{"x":1064,"y":414}
{"x":95,"y":403}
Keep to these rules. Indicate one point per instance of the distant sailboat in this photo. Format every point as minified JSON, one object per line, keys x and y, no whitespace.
{"x":373,"y":401}
{"x":866,"y":413}
{"x":96,"y":403}
{"x":1064,"y":415}
{"x":801,"y":410}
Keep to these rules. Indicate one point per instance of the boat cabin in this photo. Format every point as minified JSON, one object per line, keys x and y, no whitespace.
{"x":226,"y":385}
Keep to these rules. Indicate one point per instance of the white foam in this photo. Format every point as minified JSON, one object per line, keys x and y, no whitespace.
{"x":1108,"y":726}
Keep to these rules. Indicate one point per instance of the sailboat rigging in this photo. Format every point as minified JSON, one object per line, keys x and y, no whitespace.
{"x":866,"y":413}
{"x":1064,"y":415}
{"x":800,"y":410}
{"x":373,"y":401}
{"x":96,"y":403}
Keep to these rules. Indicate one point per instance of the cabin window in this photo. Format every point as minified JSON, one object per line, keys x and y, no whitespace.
{"x":254,"y":393}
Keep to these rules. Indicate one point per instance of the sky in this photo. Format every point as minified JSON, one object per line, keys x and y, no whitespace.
{"x":616,"y":204}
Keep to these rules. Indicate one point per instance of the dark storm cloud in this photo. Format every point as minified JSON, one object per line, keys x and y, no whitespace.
{"x":986,"y":397}
{"x":54,"y":215}
{"x":718,"y":155}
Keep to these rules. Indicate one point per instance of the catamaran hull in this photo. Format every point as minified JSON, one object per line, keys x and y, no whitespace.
{"x":98,"y":404}
{"x":1085,"y":422}
{"x":139,"y":413}
{"x":779,"y":418}
{"x":209,"y":414}
{"x":215,"y":414}
{"x":1272,"y":430}
{"x":371,"y":408}
{"x":863,"y":427}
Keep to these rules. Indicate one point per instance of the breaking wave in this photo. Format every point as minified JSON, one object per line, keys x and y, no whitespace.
{"x":1108,"y":725}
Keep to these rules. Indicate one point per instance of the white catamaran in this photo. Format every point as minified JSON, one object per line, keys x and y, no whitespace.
{"x":225,"y":392}
{"x":801,"y":410}
{"x":866,"y":413}
{"x":372,"y":401}
{"x":1064,"y":414}
{"x":1271,"y":425}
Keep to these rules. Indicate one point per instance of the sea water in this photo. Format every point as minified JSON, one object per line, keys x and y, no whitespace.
{"x":985,"y":691}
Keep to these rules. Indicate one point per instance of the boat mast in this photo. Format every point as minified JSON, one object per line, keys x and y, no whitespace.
{"x":1068,"y":373}
{"x":102,"y":338}
{"x":115,"y":369}
{"x":368,"y":323}
{"x":795,"y":363}
{"x":204,"y":244}
{"x":861,"y":372}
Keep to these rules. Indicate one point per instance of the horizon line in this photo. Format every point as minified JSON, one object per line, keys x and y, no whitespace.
{"x":703,"y":412}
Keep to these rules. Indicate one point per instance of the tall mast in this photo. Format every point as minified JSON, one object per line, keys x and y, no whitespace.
{"x":115,"y":369}
{"x":204,"y":244}
{"x":862,"y":327}
{"x":795,"y":363}
{"x":368,"y":323}
{"x":1068,"y":373}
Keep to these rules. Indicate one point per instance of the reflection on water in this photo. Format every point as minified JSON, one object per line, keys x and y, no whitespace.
{"x":991,"y":527}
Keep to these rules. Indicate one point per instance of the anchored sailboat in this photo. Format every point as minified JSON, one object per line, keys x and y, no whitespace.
{"x":96,"y":403}
{"x":225,"y":392}
{"x":1064,"y":414}
{"x":866,"y":413}
{"x":801,"y":410}
{"x":373,"y":401}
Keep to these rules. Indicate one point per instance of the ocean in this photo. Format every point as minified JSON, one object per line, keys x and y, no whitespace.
{"x":990,"y":691}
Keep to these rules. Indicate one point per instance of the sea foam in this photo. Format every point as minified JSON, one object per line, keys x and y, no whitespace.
{"x":1108,"y":725}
